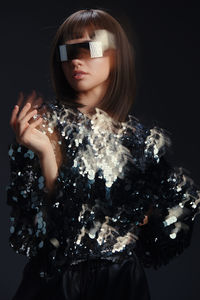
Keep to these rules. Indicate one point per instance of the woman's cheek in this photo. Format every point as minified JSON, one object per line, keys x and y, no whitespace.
{"x":101,"y":67}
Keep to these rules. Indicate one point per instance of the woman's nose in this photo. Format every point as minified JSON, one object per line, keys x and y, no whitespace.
{"x":76,"y":61}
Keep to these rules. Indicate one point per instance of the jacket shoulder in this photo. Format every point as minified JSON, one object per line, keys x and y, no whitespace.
{"x":146,"y":142}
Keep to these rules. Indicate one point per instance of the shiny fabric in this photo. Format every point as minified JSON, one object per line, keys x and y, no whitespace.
{"x":87,"y":280}
{"x":113,"y":175}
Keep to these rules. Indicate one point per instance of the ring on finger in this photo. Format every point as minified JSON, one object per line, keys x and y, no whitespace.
{"x":36,"y":116}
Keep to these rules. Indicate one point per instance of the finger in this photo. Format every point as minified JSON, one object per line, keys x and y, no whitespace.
{"x":30,"y":98}
{"x":36,"y":102}
{"x":28,"y":116}
{"x":25,"y":123}
{"x":20,"y":99}
{"x":22,"y":124}
{"x":36,"y":123}
{"x":13,"y":116}
{"x":24,"y":111}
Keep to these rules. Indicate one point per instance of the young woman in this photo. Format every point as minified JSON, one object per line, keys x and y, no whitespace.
{"x":94,"y":198}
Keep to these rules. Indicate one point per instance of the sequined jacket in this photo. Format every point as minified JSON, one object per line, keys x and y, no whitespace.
{"x":112,"y":175}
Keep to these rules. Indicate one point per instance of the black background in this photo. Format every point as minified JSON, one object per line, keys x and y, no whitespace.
{"x":166,"y":37}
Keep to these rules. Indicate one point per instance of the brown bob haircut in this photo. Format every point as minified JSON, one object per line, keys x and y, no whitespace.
{"x":121,"y":91}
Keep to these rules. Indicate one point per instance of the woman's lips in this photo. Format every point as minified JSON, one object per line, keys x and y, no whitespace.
{"x":79,"y":75}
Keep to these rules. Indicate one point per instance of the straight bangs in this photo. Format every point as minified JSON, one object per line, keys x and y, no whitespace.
{"x":77,"y":24}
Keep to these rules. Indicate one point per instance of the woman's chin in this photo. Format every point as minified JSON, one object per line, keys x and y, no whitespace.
{"x":82,"y":87}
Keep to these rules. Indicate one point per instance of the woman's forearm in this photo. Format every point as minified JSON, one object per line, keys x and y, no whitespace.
{"x":49,"y":168}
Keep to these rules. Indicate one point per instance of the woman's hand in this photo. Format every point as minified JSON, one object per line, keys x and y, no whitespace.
{"x":25,"y":128}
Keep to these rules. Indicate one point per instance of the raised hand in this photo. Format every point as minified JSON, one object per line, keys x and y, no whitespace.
{"x":25,"y":127}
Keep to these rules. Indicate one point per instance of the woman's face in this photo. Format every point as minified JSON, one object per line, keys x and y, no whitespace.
{"x":97,"y":69}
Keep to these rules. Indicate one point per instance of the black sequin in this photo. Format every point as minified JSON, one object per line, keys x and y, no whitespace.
{"x":112,"y":176}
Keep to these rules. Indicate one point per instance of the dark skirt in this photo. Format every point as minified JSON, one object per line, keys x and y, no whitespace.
{"x":88,"y":280}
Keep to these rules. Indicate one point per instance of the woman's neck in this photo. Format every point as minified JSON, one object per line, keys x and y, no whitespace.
{"x":92,"y":97}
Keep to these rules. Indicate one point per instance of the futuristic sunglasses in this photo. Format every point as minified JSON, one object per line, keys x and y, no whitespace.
{"x":83,"y":50}
{"x":102,"y":40}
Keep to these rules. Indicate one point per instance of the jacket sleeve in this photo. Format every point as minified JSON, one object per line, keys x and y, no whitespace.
{"x":34,"y":220}
{"x":173,"y":202}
